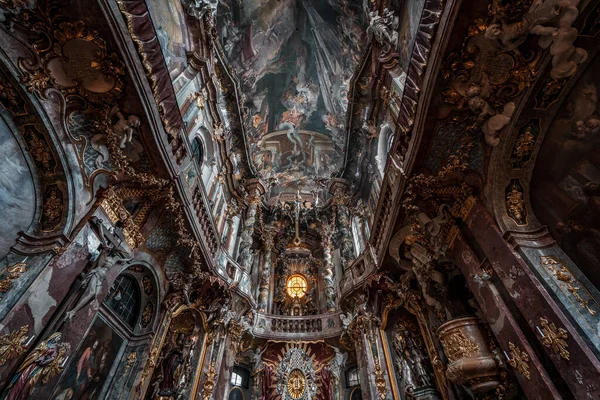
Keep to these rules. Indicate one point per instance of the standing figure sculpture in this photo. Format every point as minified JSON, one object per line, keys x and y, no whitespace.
{"x":92,"y":282}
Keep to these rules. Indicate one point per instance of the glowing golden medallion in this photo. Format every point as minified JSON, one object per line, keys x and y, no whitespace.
{"x":296,"y":286}
{"x":296,"y":383}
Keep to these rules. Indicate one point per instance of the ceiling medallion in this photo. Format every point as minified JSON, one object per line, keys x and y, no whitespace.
{"x":296,"y":376}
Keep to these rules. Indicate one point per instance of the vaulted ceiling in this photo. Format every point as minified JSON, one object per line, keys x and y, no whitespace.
{"x":294,"y":60}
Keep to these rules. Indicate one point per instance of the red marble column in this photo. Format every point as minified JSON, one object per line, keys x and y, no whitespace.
{"x":533,"y":302}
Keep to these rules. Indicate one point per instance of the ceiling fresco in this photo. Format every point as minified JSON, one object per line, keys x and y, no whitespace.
{"x":171,"y":30}
{"x":294,"y":60}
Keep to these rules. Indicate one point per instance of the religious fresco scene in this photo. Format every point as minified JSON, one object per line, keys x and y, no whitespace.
{"x":299,"y":199}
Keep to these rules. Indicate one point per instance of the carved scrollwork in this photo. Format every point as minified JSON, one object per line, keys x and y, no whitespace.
{"x":457,"y":345}
{"x":72,"y":58}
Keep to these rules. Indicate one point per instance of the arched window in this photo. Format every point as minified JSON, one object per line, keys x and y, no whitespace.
{"x":352,"y":377}
{"x":198,"y":151}
{"x":236,"y":394}
{"x":239,"y":377}
{"x":356,"y":394}
{"x":124,"y":299}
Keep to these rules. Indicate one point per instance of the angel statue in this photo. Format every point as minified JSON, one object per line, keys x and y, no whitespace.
{"x":218,"y":312}
{"x":346,"y":319}
{"x":384,"y":29}
{"x":43,"y":363}
{"x":475,"y":93}
{"x":336,"y":365}
{"x":257,"y":369}
{"x":125,"y":128}
{"x":92,"y":282}
{"x":198,"y":8}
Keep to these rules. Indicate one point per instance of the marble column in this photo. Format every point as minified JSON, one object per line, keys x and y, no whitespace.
{"x":372,"y":369}
{"x":246,"y":257}
{"x":341,"y":201}
{"x":230,"y":213}
{"x":229,"y":354}
{"x":265,"y":275}
{"x":329,"y":274}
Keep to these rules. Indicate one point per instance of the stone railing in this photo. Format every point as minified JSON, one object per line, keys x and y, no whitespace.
{"x":231,"y":271}
{"x":363,"y":266}
{"x":303,"y":327}
{"x":297,"y":325}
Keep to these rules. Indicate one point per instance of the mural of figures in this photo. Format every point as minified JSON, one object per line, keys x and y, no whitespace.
{"x":40,"y":365}
{"x":17,"y":195}
{"x":565,"y":189}
{"x":88,"y":369}
{"x":295,"y":59}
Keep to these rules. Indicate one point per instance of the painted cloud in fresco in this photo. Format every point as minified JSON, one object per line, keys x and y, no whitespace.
{"x":294,"y":59}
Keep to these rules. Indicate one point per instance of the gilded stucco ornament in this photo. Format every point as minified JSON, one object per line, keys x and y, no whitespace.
{"x":131,"y":360}
{"x":519,"y":360}
{"x":554,"y":338}
{"x":296,"y":379}
{"x":470,"y":361}
{"x":524,"y":144}
{"x":10,"y":273}
{"x":483,"y":79}
{"x":209,"y":382}
{"x":566,"y":280}
{"x":42,"y":364}
{"x":72,"y":58}
{"x":380,"y":382}
{"x":551,"y":20}
{"x":515,"y":203}
{"x":457,"y":345}
{"x":13,"y":344}
{"x":112,"y":204}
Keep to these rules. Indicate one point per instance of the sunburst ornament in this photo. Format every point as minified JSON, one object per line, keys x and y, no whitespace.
{"x":296,"y":376}
{"x":296,"y":384}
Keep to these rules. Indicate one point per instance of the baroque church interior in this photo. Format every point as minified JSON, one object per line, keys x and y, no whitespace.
{"x":299,"y":199}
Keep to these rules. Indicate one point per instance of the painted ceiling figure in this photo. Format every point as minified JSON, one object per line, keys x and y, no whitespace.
{"x":295,"y":59}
